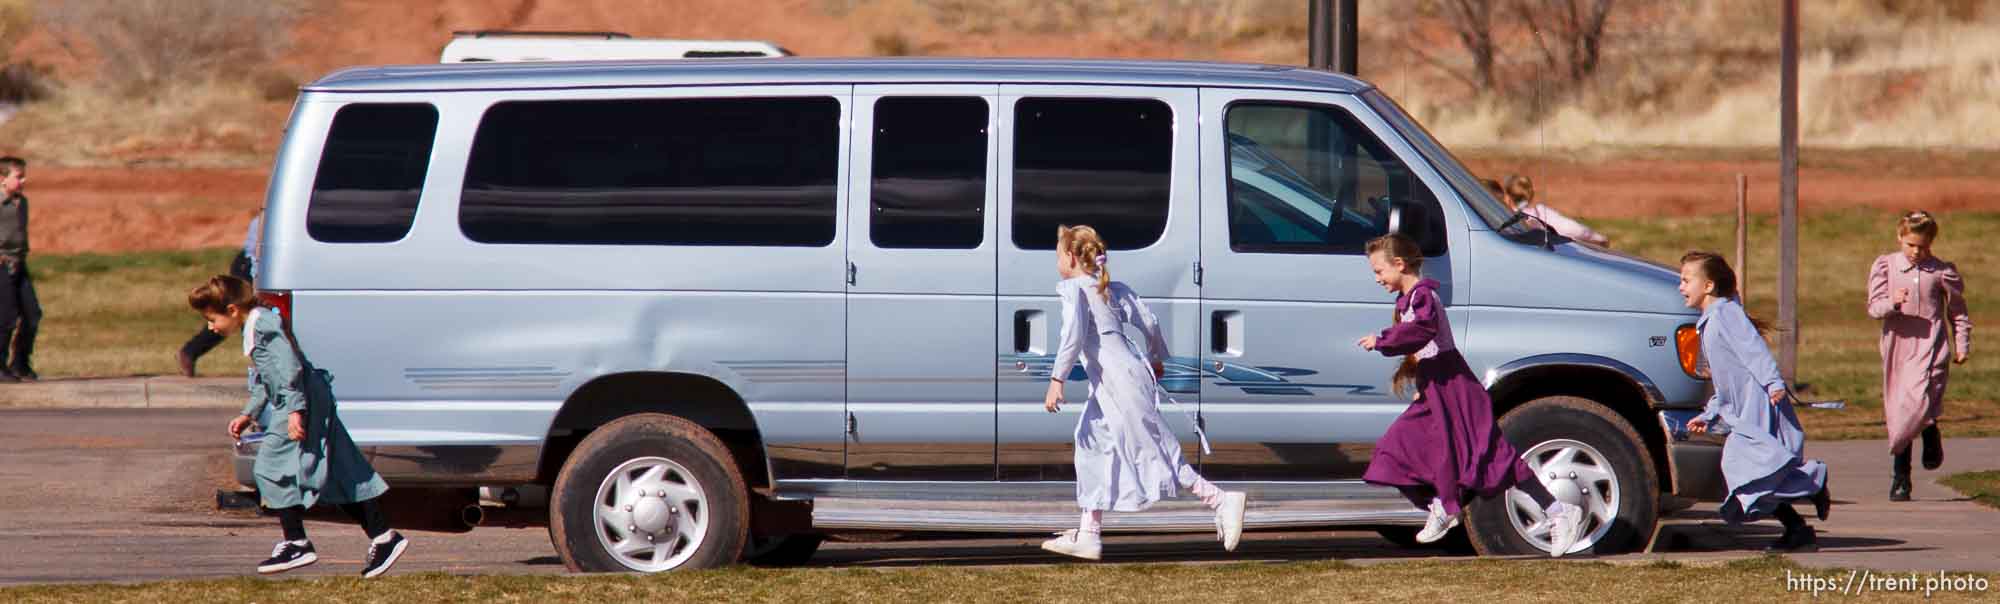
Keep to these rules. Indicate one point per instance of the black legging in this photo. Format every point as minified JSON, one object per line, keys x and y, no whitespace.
{"x":368,"y":513}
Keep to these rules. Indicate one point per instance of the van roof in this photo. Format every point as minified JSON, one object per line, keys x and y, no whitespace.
{"x":793,"y":70}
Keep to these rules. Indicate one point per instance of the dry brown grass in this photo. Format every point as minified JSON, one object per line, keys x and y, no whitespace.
{"x":222,"y":122}
{"x":1705,"y":73}
{"x":186,"y":82}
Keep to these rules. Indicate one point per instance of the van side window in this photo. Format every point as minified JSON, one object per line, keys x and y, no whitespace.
{"x":928,"y":189}
{"x":371,"y":173}
{"x":736,"y":171}
{"x":1101,"y":162}
{"x":1309,"y":179}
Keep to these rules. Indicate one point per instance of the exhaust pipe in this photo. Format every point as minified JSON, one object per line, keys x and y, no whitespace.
{"x":472,"y":516}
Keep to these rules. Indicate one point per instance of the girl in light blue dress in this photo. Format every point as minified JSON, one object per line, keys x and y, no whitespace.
{"x":306,"y":456}
{"x":1763,"y":459}
{"x":1126,"y":457}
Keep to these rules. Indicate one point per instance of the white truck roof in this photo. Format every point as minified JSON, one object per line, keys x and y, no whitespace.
{"x":513,"y":46}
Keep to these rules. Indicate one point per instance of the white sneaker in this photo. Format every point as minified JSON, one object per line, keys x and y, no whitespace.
{"x":1088,"y":546}
{"x":1565,"y":527}
{"x":1229,"y":519}
{"x":1437,"y":524}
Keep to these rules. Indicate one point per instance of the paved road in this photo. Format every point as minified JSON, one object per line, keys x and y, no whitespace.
{"x":128,"y":495}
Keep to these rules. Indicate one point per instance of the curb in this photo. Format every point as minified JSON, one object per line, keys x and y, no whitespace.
{"x":126,"y":393}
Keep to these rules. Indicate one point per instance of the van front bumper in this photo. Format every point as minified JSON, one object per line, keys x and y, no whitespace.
{"x":245,"y":457}
{"x":1695,"y":460}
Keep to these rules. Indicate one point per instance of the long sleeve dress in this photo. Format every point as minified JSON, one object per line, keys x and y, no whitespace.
{"x":326,"y":466}
{"x":1916,"y":354}
{"x":1126,"y":456}
{"x":1763,"y":458}
{"x":1447,"y":439}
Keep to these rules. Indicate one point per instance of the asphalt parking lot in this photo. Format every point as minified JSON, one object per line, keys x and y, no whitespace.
{"x":129,"y":495}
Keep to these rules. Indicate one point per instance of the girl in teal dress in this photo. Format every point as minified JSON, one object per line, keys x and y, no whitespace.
{"x":306,"y":456}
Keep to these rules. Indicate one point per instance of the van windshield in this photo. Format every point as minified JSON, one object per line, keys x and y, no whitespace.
{"x":1492,"y":211}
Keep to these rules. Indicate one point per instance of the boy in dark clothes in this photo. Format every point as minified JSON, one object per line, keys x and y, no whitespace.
{"x":18,"y":304}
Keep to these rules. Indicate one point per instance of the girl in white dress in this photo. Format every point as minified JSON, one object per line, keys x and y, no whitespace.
{"x":1126,"y":457}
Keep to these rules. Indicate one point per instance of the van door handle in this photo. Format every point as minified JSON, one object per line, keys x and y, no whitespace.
{"x":1225,"y":329}
{"x":1030,"y":334}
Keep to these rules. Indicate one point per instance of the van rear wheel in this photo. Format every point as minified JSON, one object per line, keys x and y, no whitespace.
{"x":648,"y":493}
{"x":1585,"y":455}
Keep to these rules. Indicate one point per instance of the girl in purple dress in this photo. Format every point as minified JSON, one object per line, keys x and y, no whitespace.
{"x":1446,"y":447}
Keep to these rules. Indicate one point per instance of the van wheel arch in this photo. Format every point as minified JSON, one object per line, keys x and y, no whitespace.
{"x":1613,"y":391}
{"x":699,"y":399}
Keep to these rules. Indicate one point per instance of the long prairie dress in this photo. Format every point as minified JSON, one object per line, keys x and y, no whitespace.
{"x":1916,"y":350}
{"x":1126,"y":456}
{"x":325,"y":467}
{"x":1763,"y":458}
{"x":1447,"y":440}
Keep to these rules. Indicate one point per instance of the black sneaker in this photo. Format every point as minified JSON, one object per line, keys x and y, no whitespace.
{"x":8,"y":377}
{"x":383,"y":555}
{"x":287,"y":556}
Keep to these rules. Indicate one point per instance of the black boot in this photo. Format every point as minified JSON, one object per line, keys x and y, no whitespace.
{"x":1803,"y":540}
{"x":1798,"y":537}
{"x":1899,"y":482}
{"x":1933,"y":447}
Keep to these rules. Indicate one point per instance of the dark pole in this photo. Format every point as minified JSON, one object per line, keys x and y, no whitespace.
{"x":1788,"y":195}
{"x":1347,"y":33}
{"x":1335,"y":30}
{"x":1319,"y":26}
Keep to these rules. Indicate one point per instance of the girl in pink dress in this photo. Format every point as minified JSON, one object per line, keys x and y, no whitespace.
{"x":1914,"y":294}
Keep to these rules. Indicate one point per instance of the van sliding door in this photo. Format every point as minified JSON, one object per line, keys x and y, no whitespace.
{"x":920,"y":284}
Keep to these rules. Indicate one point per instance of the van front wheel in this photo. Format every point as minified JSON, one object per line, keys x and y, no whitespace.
{"x":1585,"y":455}
{"x":648,"y":493}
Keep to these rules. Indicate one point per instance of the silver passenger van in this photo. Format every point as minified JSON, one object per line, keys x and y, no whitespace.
{"x":721,"y":309}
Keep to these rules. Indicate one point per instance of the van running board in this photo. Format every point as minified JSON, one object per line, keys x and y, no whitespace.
{"x":1019,"y":507}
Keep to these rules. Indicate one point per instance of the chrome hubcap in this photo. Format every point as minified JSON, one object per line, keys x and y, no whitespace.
{"x":1574,"y":473}
{"x":651,"y":514}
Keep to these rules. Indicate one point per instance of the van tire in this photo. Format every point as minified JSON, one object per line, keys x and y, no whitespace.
{"x":1598,"y":433}
{"x":694,"y":457}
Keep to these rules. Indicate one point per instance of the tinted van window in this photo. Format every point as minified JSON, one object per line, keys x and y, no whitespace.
{"x":928,"y":189}
{"x":1101,"y":162}
{"x":1309,"y":179}
{"x":736,"y":171}
{"x":371,"y":173}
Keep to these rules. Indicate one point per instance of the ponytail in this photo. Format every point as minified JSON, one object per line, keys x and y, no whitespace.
{"x":1717,"y":270}
{"x":1083,"y":244}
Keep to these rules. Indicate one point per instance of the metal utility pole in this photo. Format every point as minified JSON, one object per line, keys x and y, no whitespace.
{"x":1335,"y":42}
{"x":1788,"y":195}
{"x":1742,"y":236}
